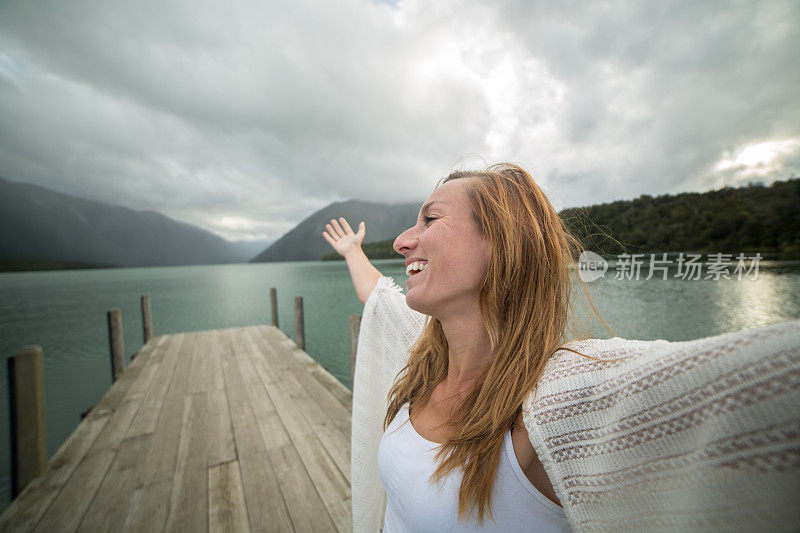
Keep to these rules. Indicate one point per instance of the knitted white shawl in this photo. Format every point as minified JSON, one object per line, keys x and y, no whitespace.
{"x":696,"y":435}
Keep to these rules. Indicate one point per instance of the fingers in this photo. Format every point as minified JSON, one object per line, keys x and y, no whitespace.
{"x":338,"y":228}
{"x":336,"y":231}
{"x":332,"y":232}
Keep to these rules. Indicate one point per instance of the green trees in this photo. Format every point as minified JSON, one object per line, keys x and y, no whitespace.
{"x":754,"y":218}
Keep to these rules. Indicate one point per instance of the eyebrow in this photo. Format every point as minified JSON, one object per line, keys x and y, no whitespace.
{"x":426,"y":207}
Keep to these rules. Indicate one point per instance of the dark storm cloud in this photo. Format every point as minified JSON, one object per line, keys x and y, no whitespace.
{"x":245,"y":117}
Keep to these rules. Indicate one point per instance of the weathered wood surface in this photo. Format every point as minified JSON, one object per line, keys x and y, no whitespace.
{"x":299,"y":323}
{"x":222,"y":430}
{"x":116,"y":343}
{"x":147,"y":319}
{"x":28,"y":431}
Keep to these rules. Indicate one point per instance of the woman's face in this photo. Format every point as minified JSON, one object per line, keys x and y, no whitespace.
{"x":447,"y":240}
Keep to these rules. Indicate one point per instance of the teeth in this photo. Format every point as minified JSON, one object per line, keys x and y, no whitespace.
{"x":416,"y":265}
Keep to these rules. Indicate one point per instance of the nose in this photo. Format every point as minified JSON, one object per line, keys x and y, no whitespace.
{"x":406,"y":242}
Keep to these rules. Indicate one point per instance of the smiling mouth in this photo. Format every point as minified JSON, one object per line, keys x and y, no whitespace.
{"x":416,"y":267}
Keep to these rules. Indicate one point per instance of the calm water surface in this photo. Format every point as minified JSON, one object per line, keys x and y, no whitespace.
{"x":64,"y":312}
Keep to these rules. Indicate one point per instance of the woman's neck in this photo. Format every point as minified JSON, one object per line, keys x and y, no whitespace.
{"x":469,"y":351}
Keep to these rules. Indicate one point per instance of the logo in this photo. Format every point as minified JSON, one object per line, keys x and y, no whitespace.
{"x":591,"y":266}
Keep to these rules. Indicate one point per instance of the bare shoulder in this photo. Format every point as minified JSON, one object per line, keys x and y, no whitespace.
{"x":529,"y":461}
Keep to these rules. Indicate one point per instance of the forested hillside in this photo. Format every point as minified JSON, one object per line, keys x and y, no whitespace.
{"x":44,"y":229}
{"x":754,"y":218}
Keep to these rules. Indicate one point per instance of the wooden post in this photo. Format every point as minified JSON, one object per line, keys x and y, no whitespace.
{"x":147,"y":318}
{"x":299,"y":327}
{"x":116,"y":343}
{"x":355,"y":327}
{"x":28,"y":438}
{"x":273,"y":296}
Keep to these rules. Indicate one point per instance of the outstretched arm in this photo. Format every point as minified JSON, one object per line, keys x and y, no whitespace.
{"x":348,"y":244}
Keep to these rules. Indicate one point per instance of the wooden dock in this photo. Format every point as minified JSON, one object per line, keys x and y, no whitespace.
{"x":223,"y":430}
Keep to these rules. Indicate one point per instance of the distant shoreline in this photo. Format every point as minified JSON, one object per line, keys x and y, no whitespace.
{"x":45,"y":265}
{"x":384,"y":250}
{"x":749,"y":220}
{"x":35,"y":265}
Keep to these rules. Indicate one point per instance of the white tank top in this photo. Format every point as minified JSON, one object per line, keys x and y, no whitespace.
{"x":415,"y":504}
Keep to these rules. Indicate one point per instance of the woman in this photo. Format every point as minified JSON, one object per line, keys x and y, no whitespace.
{"x":490,"y":424}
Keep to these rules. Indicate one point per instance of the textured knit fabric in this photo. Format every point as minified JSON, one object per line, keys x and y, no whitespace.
{"x":388,"y":328}
{"x":414,"y":504}
{"x":701,"y":435}
{"x":696,"y":435}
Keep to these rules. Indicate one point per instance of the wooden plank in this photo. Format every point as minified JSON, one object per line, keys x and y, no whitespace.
{"x":120,"y":388}
{"x":221,"y":447}
{"x":188,"y":509}
{"x":110,"y":506}
{"x":73,"y":500}
{"x":329,"y":420}
{"x":131,"y":451}
{"x":306,"y":508}
{"x":117,"y":426}
{"x":147,"y":417}
{"x":314,"y":390}
{"x":215,"y":380}
{"x":223,"y":429}
{"x":288,"y":357}
{"x":197,"y":376}
{"x":265,"y":507}
{"x":117,"y":421}
{"x":146,"y":368}
{"x":163,"y":453}
{"x":26,"y":510}
{"x":333,"y":385}
{"x":326,"y":428}
{"x":331,"y":484}
{"x":326,"y":379}
{"x":148,"y":508}
{"x":227,"y":511}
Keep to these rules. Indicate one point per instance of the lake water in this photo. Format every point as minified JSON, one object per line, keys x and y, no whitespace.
{"x":64,"y":312}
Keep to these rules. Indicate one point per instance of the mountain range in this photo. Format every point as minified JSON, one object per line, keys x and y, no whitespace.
{"x":305,"y":241}
{"x":45,"y":229}
{"x":39,"y":224}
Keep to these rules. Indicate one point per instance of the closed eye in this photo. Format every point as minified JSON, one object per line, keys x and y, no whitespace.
{"x":429,"y":219}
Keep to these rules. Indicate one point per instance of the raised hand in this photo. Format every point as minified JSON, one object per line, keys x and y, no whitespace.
{"x":341,"y":236}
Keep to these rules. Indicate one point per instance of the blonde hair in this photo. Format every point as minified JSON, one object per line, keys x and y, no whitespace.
{"x":524,"y":300}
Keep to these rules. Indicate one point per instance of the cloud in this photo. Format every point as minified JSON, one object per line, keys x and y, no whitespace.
{"x":245,"y":117}
{"x":656,"y":93}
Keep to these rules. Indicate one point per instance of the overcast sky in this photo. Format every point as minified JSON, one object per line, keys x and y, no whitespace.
{"x":244,"y":117}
